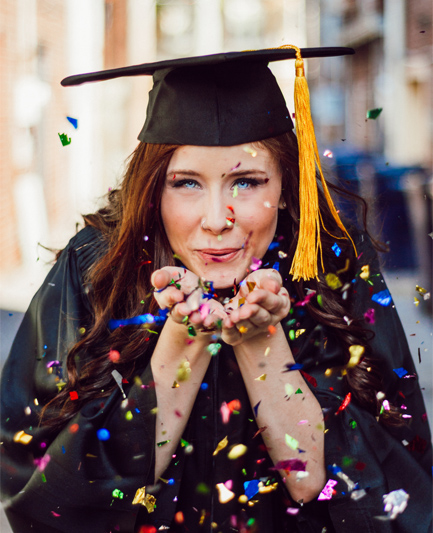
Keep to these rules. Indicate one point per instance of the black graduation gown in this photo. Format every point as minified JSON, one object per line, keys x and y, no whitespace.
{"x":71,"y":487}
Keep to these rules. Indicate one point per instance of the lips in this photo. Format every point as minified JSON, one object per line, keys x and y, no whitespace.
{"x":220,"y":255}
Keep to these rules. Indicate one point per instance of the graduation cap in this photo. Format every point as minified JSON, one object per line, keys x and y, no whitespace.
{"x":233,"y":98}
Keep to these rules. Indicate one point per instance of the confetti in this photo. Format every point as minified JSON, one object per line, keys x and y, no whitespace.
{"x":416,"y":301}
{"x":251,"y":488}
{"x":282,"y":255}
{"x":184,"y":371}
{"x":214,"y":348}
{"x":356,"y":352}
{"x":73,"y":395}
{"x":288,"y":388}
{"x":224,"y":494}
{"x":299,"y":332}
{"x":22,"y":437}
{"x":114,"y":356}
{"x":328,"y":153}
{"x":237,"y":451}
{"x":336,"y":249}
{"x":256,"y":264}
{"x":299,"y":391}
{"x":235,"y":191}
{"x":400,"y":372}
{"x":159,"y":444}
{"x":374,"y":113}
{"x":260,"y":378}
{"x":225,"y":412}
{"x":291,"y":442}
{"x":345,"y":403}
{"x":256,"y":408}
{"x":365,"y":272}
{"x":73,"y":121}
{"x":272,"y":330}
{"x":328,"y":490}
{"x":369,"y":316}
{"x":235,"y":167}
{"x":117,"y":493}
{"x":64,"y":139}
{"x":117,"y":376}
{"x":250,"y":150}
{"x":221,"y":445}
{"x":291,"y":465}
{"x":242,"y":329}
{"x":382,"y":298}
{"x":333,"y":281}
{"x":147,"y":500}
{"x":395,"y":503}
{"x":267,"y":351}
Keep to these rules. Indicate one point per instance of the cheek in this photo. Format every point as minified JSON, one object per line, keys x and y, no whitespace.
{"x":177,"y":218}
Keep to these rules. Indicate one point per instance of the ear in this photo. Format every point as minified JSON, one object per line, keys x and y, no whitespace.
{"x":281,"y":203}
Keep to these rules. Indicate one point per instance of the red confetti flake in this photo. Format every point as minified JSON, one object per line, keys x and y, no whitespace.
{"x":55,"y":514}
{"x":345,"y":403}
{"x":178,"y":413}
{"x":234,"y":405}
{"x":232,"y":220}
{"x":73,"y":395}
{"x":74,"y":428}
{"x":272,"y":329}
{"x":231,"y":208}
{"x":179,"y":518}
{"x":147,"y":529}
{"x":174,"y":175}
{"x":309,"y":378}
{"x":360,"y":465}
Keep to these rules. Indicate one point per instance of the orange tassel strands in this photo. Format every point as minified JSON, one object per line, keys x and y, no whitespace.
{"x":304,"y":265}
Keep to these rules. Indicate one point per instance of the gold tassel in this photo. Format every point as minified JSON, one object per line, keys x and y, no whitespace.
{"x":304,"y":265}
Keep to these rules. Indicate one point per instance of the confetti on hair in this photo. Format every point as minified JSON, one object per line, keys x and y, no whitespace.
{"x":356,"y":352}
{"x":333,"y":281}
{"x":281,"y":254}
{"x":345,"y":403}
{"x":118,"y":379}
{"x":383,"y":298}
{"x":114,"y":356}
{"x":374,"y":113}
{"x":73,"y":121}
{"x":73,"y":394}
{"x":336,"y":249}
{"x":328,"y":490}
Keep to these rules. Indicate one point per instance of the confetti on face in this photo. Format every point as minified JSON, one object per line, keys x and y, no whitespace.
{"x":374,"y":113}
{"x":250,"y":150}
{"x":260,"y":378}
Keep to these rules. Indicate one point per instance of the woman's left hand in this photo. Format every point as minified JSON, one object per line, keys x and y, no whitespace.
{"x":266,"y":303}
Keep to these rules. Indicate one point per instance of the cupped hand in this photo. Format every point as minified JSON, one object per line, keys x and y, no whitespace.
{"x":266,"y":303}
{"x":180,"y":290}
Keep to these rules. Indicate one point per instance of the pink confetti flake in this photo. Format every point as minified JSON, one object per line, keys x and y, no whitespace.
{"x":256,"y":264}
{"x":225,"y":412}
{"x":42,"y":462}
{"x":328,"y":490}
{"x":369,"y":316}
{"x":204,"y":311}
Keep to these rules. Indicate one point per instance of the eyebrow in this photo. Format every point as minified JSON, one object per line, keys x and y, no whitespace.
{"x":236,"y":173}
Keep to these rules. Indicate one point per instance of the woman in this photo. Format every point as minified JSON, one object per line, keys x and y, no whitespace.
{"x":266,"y":401}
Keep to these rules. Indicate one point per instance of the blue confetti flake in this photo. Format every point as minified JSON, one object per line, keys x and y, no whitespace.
{"x":103,"y":434}
{"x":273,"y":245}
{"x":276,"y":266}
{"x":256,"y":407}
{"x":73,"y":121}
{"x":336,"y":249}
{"x":251,"y":488}
{"x":400,"y":371}
{"x":382,"y":298}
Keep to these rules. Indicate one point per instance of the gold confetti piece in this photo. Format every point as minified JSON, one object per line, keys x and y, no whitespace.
{"x":221,"y":445}
{"x":282,"y":255}
{"x":420,"y":289}
{"x":250,"y":150}
{"x":261,"y":378}
{"x":154,"y":411}
{"x":291,"y":442}
{"x":416,"y":301}
{"x":82,"y":331}
{"x":267,"y":351}
{"x":365,"y":272}
{"x":184,"y":371}
{"x":146,"y":500}
{"x":356,"y":352}
{"x":225,"y":495}
{"x":333,"y":281}
{"x":242,"y":329}
{"x":346,"y":267}
{"x":237,"y":451}
{"x":22,"y":437}
{"x":241,"y":301}
{"x":243,"y":498}
{"x":251,"y":285}
{"x":175,"y":385}
{"x":263,"y":489}
{"x":328,"y":372}
{"x":299,"y":332}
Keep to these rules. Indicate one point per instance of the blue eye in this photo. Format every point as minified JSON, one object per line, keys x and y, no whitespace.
{"x":187,"y":184}
{"x":246,"y":183}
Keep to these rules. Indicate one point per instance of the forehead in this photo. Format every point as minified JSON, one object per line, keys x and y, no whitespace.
{"x":239,"y":157}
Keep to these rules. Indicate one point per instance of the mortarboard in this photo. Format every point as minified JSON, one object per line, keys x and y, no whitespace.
{"x":233,"y":98}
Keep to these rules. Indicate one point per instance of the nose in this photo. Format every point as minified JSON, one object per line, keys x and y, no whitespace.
{"x":217,"y":217}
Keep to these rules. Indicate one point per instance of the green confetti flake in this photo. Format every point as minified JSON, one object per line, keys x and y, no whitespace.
{"x":299,"y":391}
{"x":44,"y":479}
{"x":191,"y":331}
{"x":374,"y":113}
{"x":291,"y":442}
{"x":159,"y":444}
{"x":292,"y":334}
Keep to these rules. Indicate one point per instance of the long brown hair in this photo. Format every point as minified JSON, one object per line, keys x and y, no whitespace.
{"x":137,"y":245}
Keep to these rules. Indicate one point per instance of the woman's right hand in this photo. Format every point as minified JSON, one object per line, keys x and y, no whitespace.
{"x":180,"y":290}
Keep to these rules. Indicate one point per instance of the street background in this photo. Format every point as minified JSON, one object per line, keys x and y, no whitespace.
{"x":373,"y":115}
